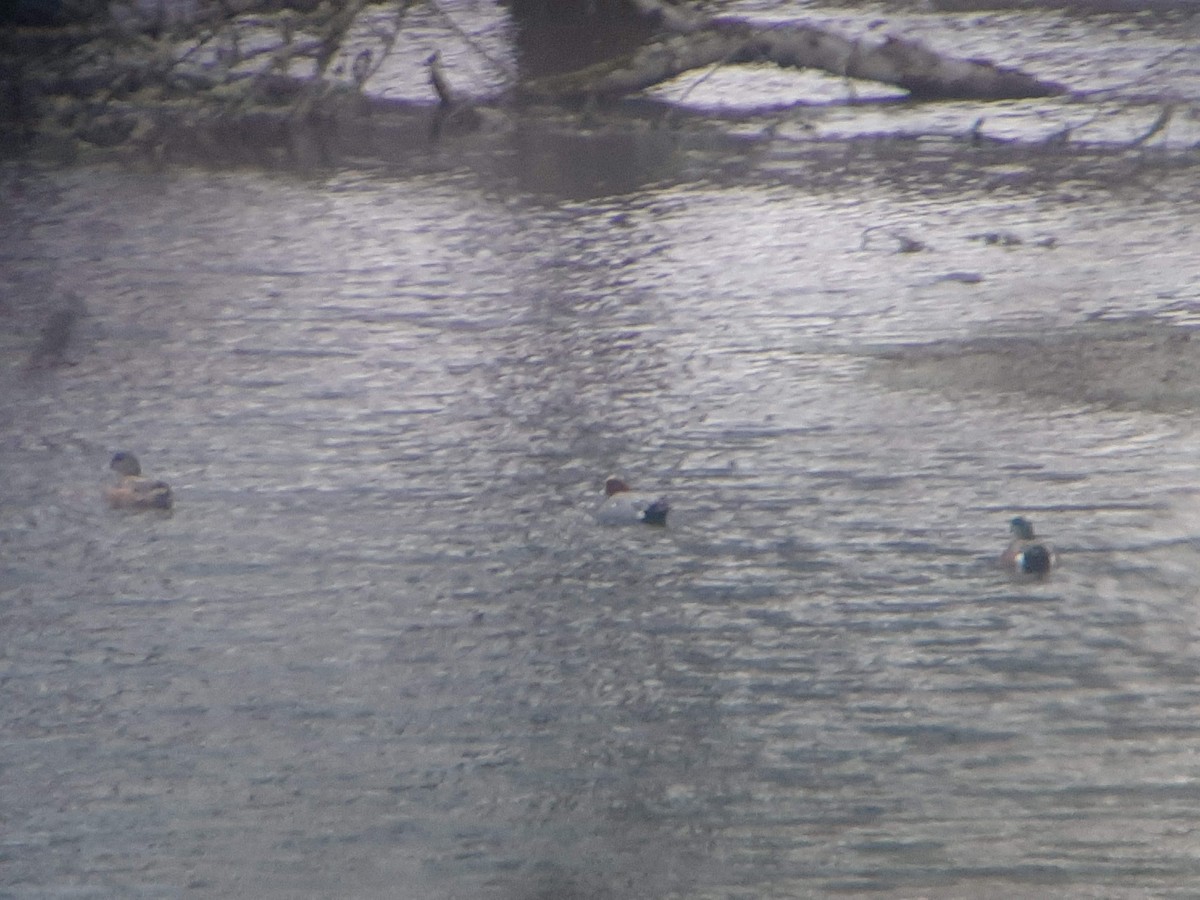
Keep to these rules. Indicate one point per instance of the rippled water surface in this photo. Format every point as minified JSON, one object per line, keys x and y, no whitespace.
{"x":381,"y":649}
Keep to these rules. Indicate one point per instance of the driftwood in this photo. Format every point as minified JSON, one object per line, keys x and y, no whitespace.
{"x":689,"y":45}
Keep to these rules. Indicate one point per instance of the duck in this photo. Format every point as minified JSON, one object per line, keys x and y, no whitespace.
{"x":133,"y":490}
{"x":623,"y":506}
{"x":1026,"y":554}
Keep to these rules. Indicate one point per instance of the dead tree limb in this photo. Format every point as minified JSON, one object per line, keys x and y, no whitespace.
{"x":905,"y":64}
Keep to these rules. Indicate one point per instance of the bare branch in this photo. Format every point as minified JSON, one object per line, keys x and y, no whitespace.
{"x":470,"y":41}
{"x":1159,"y":124}
{"x":903,"y":63}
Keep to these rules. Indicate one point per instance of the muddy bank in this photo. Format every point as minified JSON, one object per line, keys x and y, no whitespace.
{"x":1146,"y":365}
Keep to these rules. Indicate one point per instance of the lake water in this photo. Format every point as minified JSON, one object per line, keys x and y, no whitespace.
{"x":382,"y":649}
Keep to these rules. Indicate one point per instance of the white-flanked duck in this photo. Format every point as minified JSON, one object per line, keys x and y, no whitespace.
{"x":623,"y":506}
{"x":1026,"y":553}
{"x":133,"y":490}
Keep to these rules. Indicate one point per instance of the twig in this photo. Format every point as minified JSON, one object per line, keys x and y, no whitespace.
{"x":437,"y":78}
{"x":501,"y":67}
{"x":1159,"y":124}
{"x":364,"y":73}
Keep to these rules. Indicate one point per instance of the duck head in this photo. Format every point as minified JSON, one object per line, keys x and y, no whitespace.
{"x":125,"y":463}
{"x":1021,"y":528}
{"x":615,"y":485}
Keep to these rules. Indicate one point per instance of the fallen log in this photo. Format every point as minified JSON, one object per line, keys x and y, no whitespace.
{"x":902,"y":63}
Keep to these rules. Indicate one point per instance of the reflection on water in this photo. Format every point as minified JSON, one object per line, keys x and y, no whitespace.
{"x":381,"y":649}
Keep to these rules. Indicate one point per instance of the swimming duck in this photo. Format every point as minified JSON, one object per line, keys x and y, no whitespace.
{"x":1025,"y":553}
{"x":624,"y":507}
{"x":133,"y":490}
